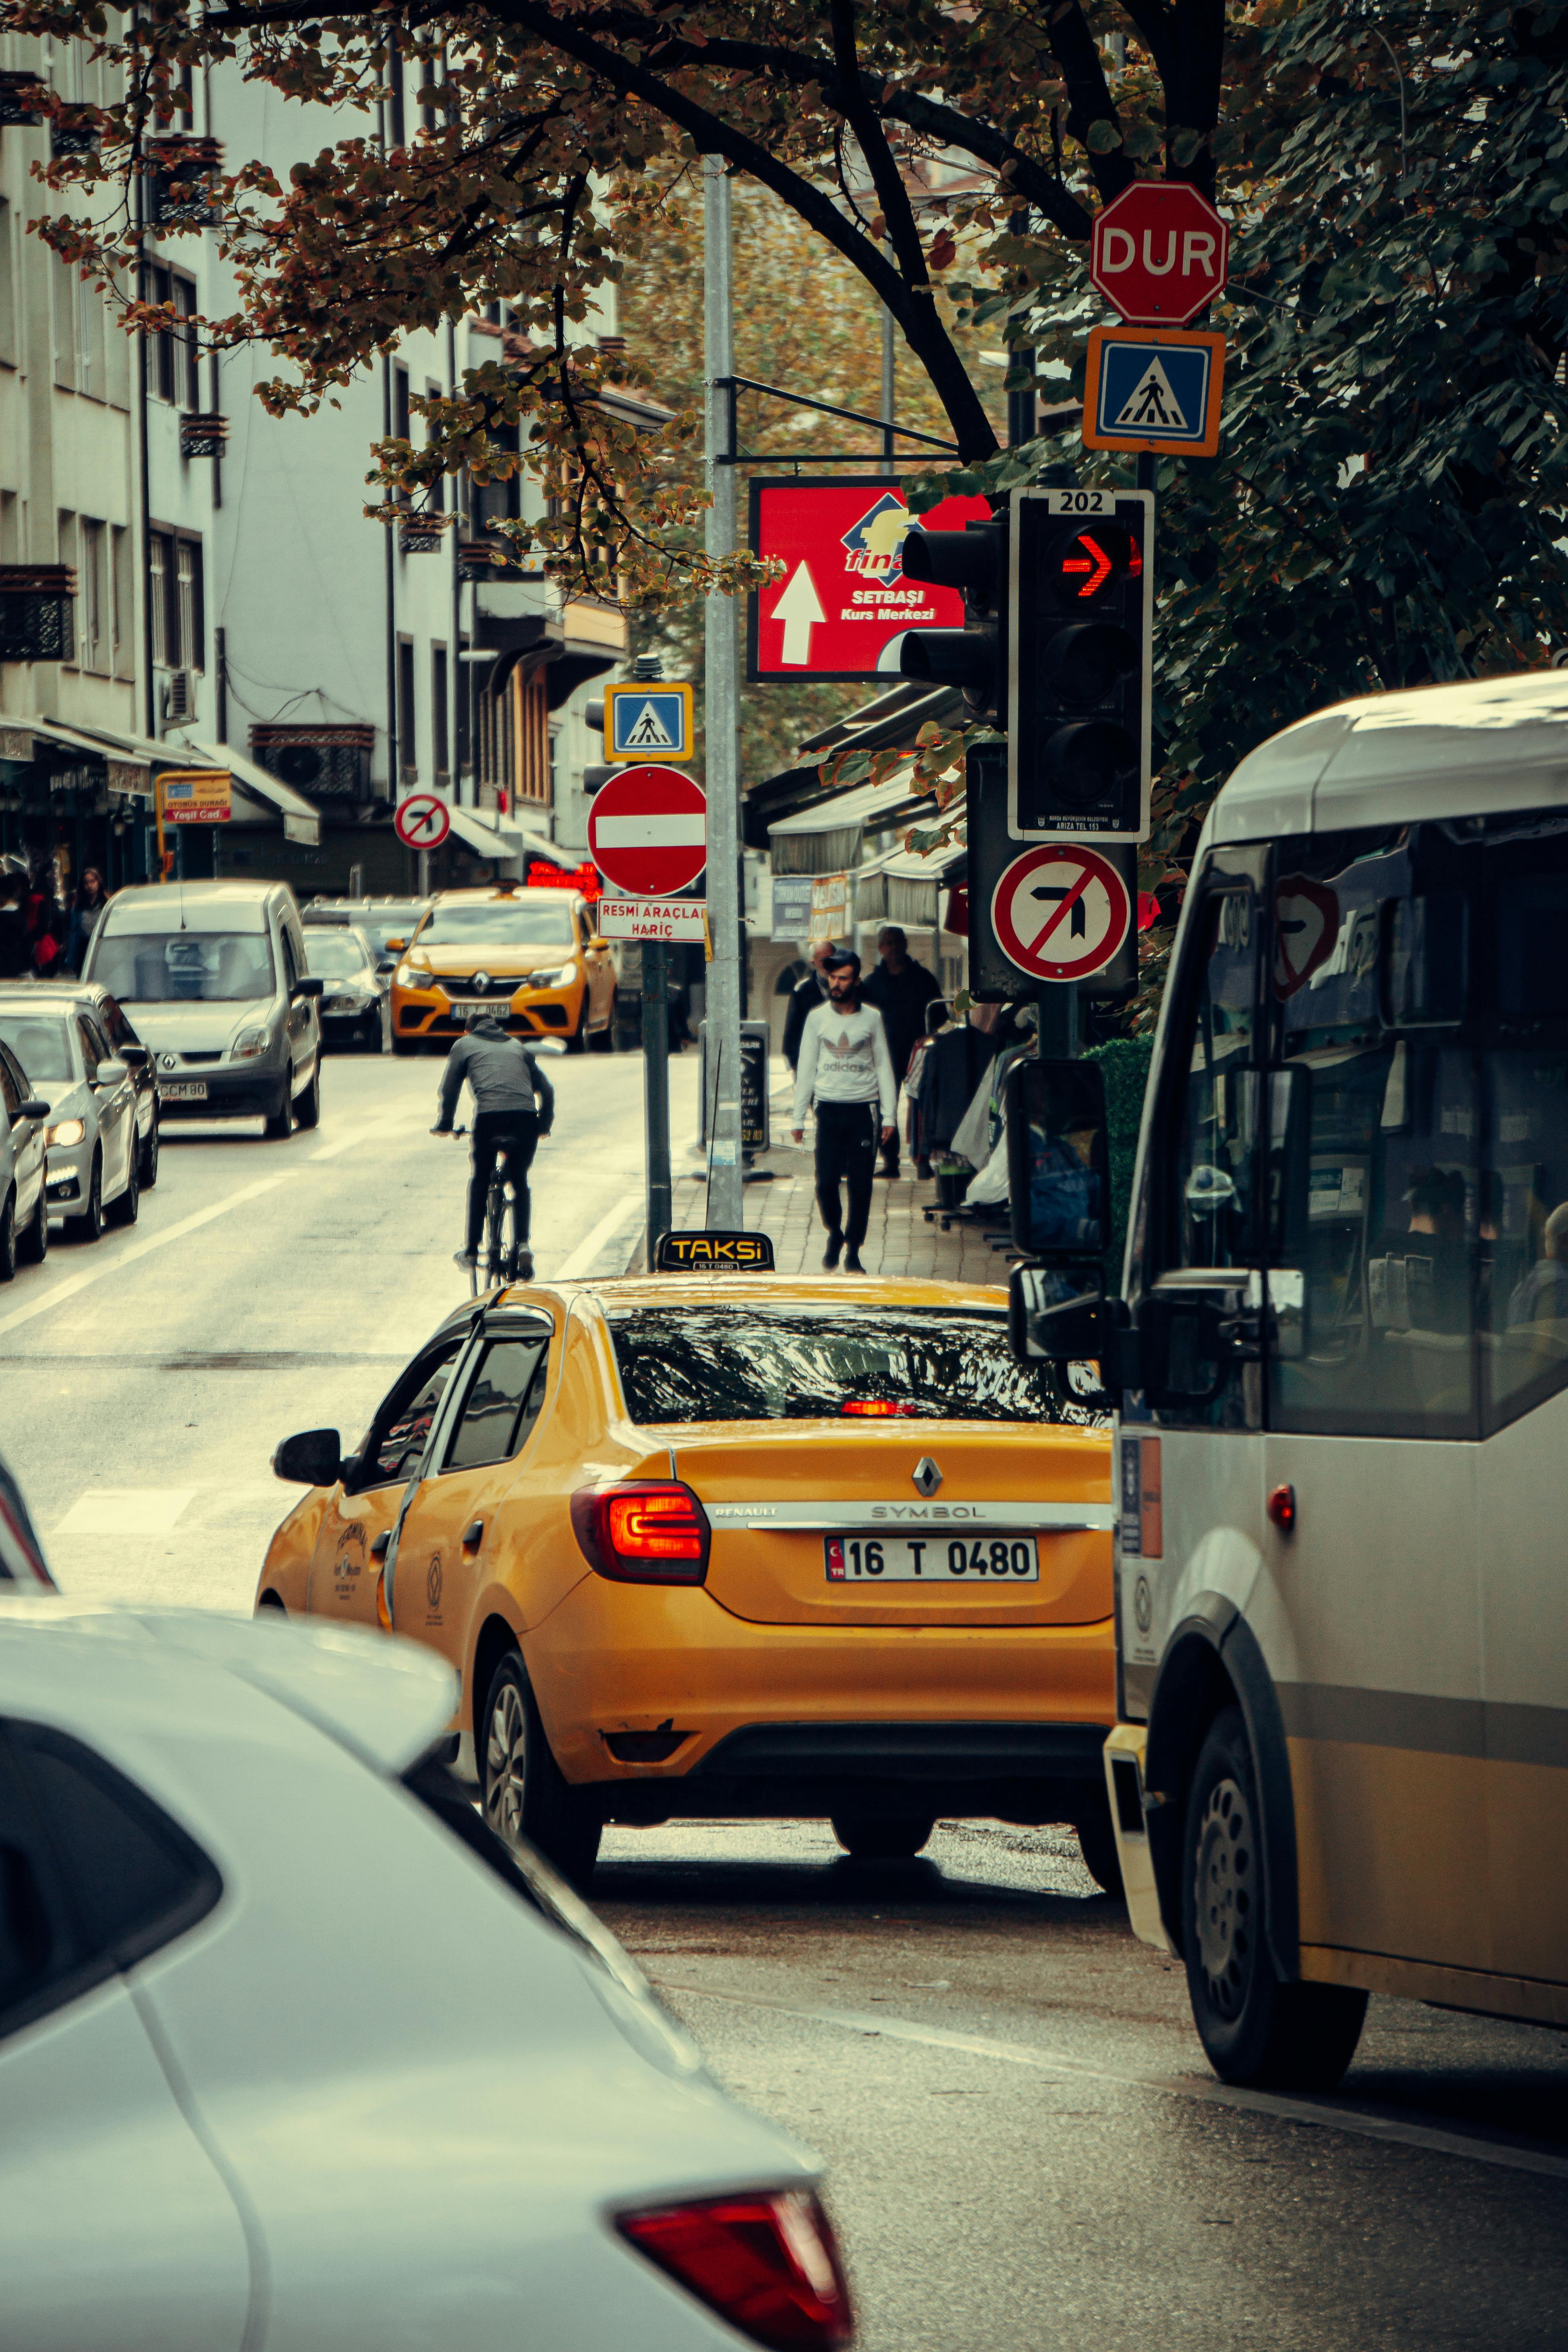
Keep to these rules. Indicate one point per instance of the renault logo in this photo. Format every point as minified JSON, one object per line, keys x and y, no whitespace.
{"x":927,"y":1477}
{"x":481,"y":981}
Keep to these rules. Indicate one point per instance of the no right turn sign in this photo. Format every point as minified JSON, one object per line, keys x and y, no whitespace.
{"x":1060,"y":911}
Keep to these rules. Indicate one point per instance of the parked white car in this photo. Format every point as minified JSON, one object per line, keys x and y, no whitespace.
{"x":292,"y":2054}
{"x":94,"y":1152}
{"x":24,"y":1204}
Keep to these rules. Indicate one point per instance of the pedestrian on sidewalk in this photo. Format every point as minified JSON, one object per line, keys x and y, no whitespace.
{"x":87,"y":913}
{"x":901,"y":990}
{"x":807,"y":995}
{"x":845,"y":1071}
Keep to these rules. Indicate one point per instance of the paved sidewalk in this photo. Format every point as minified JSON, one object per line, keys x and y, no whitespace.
{"x":899,"y":1241}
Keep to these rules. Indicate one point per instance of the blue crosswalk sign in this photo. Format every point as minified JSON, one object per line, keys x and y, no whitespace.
{"x":1158,"y":391}
{"x":648,"y":722}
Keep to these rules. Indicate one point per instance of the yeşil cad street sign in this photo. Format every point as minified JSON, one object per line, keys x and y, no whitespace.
{"x":1148,"y":388}
{"x":841,"y":606}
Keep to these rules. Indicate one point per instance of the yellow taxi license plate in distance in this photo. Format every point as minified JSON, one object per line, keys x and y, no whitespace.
{"x":932,"y":1560}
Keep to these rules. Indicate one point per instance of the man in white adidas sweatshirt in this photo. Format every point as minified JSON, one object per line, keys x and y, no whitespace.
{"x":846,"y":1071}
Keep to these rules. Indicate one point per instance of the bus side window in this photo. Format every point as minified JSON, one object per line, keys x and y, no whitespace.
{"x":1209,"y":1208}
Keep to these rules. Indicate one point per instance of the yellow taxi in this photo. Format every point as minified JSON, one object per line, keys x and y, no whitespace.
{"x":703,"y":1546}
{"x":533,"y":958}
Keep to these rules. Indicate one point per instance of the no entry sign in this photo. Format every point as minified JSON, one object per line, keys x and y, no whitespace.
{"x":421,"y":821}
{"x":842,"y":605}
{"x":647,"y":832}
{"x":1060,"y":913}
{"x":1159,"y":253}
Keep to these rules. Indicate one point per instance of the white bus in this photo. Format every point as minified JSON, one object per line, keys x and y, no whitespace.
{"x":1340,"y":1364}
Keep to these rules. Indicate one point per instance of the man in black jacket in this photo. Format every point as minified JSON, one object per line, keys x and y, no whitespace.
{"x":514,"y":1104}
{"x":901,"y":990}
{"x":805,"y":998}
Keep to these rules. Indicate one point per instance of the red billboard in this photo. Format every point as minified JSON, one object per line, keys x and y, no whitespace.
{"x":842,"y":605}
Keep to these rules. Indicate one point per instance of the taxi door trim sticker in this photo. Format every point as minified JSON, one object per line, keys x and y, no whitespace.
{"x":825,"y":1518}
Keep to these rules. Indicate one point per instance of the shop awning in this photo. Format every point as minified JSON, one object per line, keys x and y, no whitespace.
{"x":129,"y":761}
{"x":827,"y":839}
{"x":905,"y":886}
{"x":485,"y":836}
{"x":265,"y":793}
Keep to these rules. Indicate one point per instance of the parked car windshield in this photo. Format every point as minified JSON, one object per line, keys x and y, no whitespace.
{"x":732,"y":1362}
{"x":185,"y":967}
{"x":334,"y":955}
{"x":542,"y":920}
{"x":40,"y":1045}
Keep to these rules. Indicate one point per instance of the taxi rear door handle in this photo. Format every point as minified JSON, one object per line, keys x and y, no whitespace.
{"x":471,"y":1535}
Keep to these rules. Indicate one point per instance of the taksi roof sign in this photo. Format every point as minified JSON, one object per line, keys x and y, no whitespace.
{"x":1061,"y":912}
{"x":1159,"y":253}
{"x":842,"y":606}
{"x":647,"y":832}
{"x":1147,"y":390}
{"x":648,"y":722}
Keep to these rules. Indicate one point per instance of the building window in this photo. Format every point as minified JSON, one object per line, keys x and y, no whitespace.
{"x":440,"y":746}
{"x":92,"y":596}
{"x":407,"y":745}
{"x":8,"y":290}
{"x":402,"y":417}
{"x":174,"y":589}
{"x":465,"y":747}
{"x":70,"y":553}
{"x":533,"y":738}
{"x":174,"y":362}
{"x":125,"y":603}
{"x":394,"y":72}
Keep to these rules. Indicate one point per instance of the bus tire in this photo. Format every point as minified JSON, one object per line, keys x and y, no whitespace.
{"x":1255,"y":2029}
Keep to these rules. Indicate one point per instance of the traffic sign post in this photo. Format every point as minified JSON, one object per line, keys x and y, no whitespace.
{"x":673,"y":921}
{"x":1060,"y":911}
{"x":647,"y":832}
{"x":996,"y":972}
{"x":1159,"y":253}
{"x":422,"y":821}
{"x":1160,"y":391}
{"x":845,"y":605}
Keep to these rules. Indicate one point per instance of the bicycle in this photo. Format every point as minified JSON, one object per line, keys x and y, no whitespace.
{"x":503,"y":1254}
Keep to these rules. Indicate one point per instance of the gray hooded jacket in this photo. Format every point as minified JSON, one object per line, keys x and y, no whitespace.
{"x":502,"y":1073}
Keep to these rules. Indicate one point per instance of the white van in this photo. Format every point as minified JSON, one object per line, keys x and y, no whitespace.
{"x":213,"y":978}
{"x":1341,"y":1362}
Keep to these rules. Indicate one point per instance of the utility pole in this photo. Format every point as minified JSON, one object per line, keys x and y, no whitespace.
{"x":721,"y":717}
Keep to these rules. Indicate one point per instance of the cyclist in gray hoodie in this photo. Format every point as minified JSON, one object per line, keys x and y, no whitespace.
{"x":514,"y":1104}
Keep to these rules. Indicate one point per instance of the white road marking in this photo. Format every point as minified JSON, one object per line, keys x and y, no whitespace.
{"x":588,"y":1249}
{"x":372,"y":1131}
{"x":125,"y":1511}
{"x":1427,"y":2136}
{"x":109,"y":1261}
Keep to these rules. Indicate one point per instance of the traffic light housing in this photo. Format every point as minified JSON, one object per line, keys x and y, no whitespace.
{"x":974,"y":658}
{"x":1078,"y":711}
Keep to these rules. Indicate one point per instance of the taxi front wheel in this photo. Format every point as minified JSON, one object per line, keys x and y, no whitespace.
{"x":527,"y":1800}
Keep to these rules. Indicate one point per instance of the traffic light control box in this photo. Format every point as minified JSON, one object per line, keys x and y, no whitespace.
{"x":1079,"y":660}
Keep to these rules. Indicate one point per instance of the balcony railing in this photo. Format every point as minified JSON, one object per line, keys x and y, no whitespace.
{"x":35,"y":601}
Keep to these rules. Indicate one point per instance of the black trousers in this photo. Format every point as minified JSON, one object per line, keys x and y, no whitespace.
{"x":515,"y":1132}
{"x":846,"y":1138}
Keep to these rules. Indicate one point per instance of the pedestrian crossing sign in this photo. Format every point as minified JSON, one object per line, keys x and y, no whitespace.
{"x":648,"y":722}
{"x":1152,"y":388}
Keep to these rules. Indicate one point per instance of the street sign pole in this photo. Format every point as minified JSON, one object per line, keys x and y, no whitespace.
{"x":655,"y":1092}
{"x":721,"y":717}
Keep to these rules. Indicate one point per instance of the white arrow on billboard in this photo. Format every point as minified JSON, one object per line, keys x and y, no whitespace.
{"x":799,"y":609}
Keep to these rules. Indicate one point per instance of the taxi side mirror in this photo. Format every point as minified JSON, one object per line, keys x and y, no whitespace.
{"x":395,"y":947}
{"x":312,"y":1457}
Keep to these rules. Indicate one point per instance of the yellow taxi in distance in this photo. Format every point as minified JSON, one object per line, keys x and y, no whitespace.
{"x":702,"y":1547}
{"x":533,"y":958}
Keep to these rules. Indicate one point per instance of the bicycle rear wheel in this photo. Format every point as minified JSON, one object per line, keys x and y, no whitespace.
{"x":495,"y":1230}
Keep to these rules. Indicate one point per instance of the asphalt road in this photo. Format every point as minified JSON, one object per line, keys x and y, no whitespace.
{"x":1027,"y":2149}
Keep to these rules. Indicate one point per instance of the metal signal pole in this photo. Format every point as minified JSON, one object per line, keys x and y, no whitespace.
{"x":721,"y":716}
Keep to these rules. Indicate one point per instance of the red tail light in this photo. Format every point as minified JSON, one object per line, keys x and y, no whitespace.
{"x":643,"y":1531}
{"x":767,"y":2265}
{"x":878,"y":1406}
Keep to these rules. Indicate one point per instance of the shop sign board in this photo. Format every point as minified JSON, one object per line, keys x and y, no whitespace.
{"x":195,"y":795}
{"x":841,"y":608}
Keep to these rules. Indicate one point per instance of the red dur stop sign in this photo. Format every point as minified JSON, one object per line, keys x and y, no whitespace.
{"x":1159,"y":253}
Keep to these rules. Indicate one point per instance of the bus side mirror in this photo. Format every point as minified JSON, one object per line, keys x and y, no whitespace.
{"x":1059,"y":1159}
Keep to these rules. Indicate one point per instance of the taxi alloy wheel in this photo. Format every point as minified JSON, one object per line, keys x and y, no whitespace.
{"x":1254,"y":2027}
{"x":527,"y":1802}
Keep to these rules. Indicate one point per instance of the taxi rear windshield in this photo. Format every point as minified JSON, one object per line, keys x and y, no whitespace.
{"x":734,"y":1362}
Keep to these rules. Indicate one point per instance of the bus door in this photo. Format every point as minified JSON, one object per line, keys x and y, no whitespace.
{"x":1376,"y":1206}
{"x":1197,"y":1248}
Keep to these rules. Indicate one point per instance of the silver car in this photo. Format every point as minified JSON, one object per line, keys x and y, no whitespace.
{"x":24,"y":1205}
{"x":90,"y":1096}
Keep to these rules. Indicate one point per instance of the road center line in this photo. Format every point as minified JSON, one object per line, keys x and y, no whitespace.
{"x":112,"y":1262}
{"x":1425,"y":2137}
{"x":588,"y":1249}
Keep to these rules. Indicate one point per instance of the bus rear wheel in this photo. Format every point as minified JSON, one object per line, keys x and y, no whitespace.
{"x":1254,"y":2028}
